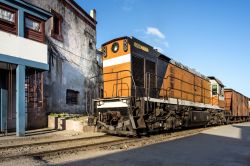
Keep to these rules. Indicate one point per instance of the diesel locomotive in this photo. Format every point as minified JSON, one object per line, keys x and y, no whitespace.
{"x":144,"y":91}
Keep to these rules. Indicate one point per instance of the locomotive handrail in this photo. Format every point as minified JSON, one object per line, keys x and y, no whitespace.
{"x":166,"y":91}
{"x":203,"y":97}
{"x":131,"y":76}
{"x":98,"y":83}
{"x":157,"y":91}
{"x":169,"y":76}
{"x":119,"y":89}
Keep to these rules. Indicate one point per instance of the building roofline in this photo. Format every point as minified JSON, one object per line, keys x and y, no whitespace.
{"x":78,"y":10}
{"x":81,"y":9}
{"x":33,"y":7}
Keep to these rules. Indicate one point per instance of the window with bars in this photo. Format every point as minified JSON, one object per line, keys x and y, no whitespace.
{"x":72,"y":97}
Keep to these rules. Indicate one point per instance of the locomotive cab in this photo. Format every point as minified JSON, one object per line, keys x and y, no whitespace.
{"x":217,"y":92}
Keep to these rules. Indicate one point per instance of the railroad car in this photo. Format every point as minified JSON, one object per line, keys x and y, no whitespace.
{"x":249,"y":105}
{"x":236,"y":106}
{"x":144,"y":91}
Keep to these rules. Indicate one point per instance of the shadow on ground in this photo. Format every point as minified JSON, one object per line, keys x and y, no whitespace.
{"x":199,"y":150}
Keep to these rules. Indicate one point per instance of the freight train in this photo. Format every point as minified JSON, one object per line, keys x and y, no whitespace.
{"x":144,"y":91}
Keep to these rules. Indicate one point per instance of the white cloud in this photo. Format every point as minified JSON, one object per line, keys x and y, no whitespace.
{"x":154,"y":37}
{"x":155,"y":32}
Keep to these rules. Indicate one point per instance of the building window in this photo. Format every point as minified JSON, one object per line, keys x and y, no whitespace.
{"x":34,"y":28}
{"x":8,"y":19}
{"x":72,"y":97}
{"x":7,"y":15}
{"x":214,"y":90}
{"x":91,"y":45}
{"x":32,"y":24}
{"x":56,"y":31}
{"x":56,"y":25}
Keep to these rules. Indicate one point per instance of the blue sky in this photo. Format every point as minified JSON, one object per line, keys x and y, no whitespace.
{"x":212,"y":36}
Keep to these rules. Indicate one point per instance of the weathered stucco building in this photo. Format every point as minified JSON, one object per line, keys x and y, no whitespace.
{"x":71,"y":38}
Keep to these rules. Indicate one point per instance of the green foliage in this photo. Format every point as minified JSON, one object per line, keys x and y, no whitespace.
{"x":66,"y":115}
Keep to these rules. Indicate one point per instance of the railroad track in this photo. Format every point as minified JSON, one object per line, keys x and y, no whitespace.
{"x":55,"y":148}
{"x":51,"y":142}
{"x":15,"y":151}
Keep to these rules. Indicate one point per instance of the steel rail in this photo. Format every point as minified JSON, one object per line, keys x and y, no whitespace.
{"x":52,"y":142}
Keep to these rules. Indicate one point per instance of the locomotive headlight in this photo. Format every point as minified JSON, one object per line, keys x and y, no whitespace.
{"x":104,"y":51}
{"x":99,"y":103}
{"x":115,"y":47}
{"x":125,"y":45}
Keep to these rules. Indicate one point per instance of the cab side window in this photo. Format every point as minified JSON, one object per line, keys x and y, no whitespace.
{"x":214,"y":89}
{"x":222,"y":92}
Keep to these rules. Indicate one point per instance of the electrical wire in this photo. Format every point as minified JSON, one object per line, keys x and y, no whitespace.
{"x":64,"y":57}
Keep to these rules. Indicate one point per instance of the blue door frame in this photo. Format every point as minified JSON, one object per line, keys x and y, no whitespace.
{"x":3,"y":110}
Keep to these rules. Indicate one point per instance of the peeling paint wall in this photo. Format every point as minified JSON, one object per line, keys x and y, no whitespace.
{"x":72,"y":61}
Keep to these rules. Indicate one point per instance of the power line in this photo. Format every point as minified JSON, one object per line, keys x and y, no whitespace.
{"x":65,"y":58}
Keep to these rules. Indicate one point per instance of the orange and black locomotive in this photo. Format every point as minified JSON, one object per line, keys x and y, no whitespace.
{"x":144,"y":91}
